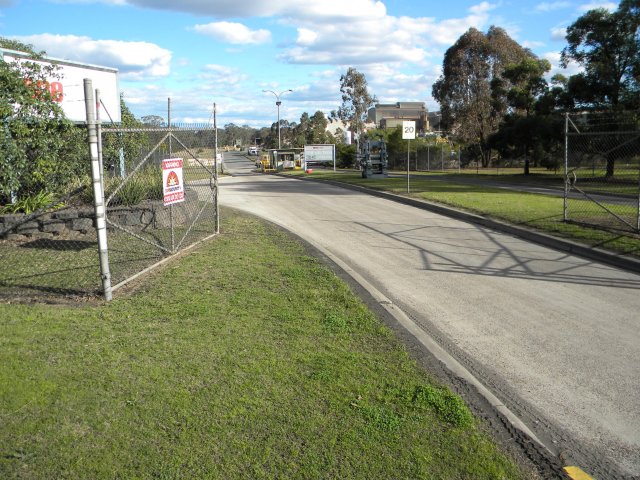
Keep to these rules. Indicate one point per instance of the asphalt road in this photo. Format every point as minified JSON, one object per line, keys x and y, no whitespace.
{"x":555,"y":337}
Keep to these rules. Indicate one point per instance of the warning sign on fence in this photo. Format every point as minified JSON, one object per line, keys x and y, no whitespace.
{"x":172,"y":184}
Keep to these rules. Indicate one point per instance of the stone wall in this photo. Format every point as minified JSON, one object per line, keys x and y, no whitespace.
{"x":67,"y":223}
{"x":79,"y":222}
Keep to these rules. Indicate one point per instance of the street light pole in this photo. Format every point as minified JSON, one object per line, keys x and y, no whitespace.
{"x":278,"y":103}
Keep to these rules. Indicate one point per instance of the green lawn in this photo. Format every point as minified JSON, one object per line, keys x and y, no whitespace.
{"x":245,"y":358}
{"x":541,"y":212}
{"x":53,"y":266}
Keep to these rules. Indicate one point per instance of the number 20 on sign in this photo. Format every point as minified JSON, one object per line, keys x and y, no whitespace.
{"x":408,"y":130}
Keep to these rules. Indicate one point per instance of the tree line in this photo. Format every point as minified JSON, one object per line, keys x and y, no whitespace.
{"x":496,"y":102}
{"x":495,"y":99}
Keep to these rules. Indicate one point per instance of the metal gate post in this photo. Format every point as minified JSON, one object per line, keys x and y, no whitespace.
{"x":98,"y":193}
{"x":173,"y":233}
{"x":566,"y":167}
{"x":215,"y":172}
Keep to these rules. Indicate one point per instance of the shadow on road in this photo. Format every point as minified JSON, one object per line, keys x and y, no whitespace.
{"x":456,"y":254}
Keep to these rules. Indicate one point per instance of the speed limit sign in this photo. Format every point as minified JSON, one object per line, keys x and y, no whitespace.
{"x":408,"y":130}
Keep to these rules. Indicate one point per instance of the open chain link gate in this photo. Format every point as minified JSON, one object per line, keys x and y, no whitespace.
{"x":142,"y":230}
{"x":602,"y":171}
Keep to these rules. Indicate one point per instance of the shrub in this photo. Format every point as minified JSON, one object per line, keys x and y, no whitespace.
{"x":146,"y":184}
{"x":33,"y":203}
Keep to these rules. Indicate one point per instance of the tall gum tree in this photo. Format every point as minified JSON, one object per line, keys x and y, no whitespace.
{"x":470,"y":109}
{"x":356,"y":99}
{"x":607,"y":45}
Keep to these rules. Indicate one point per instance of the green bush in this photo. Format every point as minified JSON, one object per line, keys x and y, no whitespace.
{"x":345,"y":156}
{"x":146,"y":184}
{"x":33,"y":203}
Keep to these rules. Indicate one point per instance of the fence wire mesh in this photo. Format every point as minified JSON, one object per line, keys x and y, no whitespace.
{"x":430,"y":157}
{"x":48,"y":241}
{"x":142,"y":230}
{"x":603,"y":171}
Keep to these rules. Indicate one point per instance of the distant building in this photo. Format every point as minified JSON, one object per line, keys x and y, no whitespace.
{"x":390,"y":115}
{"x":348,"y":137}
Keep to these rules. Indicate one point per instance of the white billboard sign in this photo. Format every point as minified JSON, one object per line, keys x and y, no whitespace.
{"x":320,"y":154}
{"x":68,"y":90}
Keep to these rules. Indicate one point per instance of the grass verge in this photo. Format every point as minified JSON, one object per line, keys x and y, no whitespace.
{"x":540,"y":212}
{"x":245,"y":359}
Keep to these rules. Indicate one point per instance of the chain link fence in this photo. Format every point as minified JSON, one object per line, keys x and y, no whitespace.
{"x":142,"y":229}
{"x":48,"y":237}
{"x":48,"y":241}
{"x":52,"y":251}
{"x":430,"y":157}
{"x":602,"y":171}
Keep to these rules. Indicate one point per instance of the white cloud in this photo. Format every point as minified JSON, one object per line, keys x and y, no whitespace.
{"x":356,"y":32}
{"x":310,"y":9}
{"x":395,"y":39}
{"x":554,"y":58}
{"x":235,"y":33}
{"x":306,"y":37}
{"x":558,"y":33}
{"x":532,"y":44}
{"x":222,"y":75}
{"x":134,"y":60}
{"x":611,"y":6}
{"x":551,"y":6}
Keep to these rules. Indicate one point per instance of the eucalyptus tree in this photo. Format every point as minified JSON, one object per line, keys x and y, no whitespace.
{"x":471,"y":104}
{"x":318,"y":128}
{"x":356,"y":99}
{"x":607,"y":45}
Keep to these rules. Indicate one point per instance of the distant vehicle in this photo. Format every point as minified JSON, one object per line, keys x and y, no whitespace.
{"x":253,"y":151}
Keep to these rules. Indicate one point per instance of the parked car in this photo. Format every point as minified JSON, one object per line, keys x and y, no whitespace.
{"x":253,"y":151}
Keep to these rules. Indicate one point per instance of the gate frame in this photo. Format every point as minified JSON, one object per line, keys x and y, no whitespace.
{"x":100,"y":203}
{"x":570,"y":178}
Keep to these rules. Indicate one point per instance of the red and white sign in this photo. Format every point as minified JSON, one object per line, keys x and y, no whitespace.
{"x":172,"y":183}
{"x":68,"y":90}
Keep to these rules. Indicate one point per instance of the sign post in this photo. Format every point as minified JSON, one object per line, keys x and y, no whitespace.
{"x":408,"y":134}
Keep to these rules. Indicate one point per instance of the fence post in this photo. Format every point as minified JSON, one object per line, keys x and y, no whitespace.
{"x":173,"y":234}
{"x":98,"y":193}
{"x":566,"y":168}
{"x":215,"y":171}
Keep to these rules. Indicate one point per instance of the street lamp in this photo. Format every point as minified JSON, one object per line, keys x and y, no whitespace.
{"x":278,"y":103}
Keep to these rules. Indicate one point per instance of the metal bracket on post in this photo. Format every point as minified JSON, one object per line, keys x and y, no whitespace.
{"x":98,"y":193}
